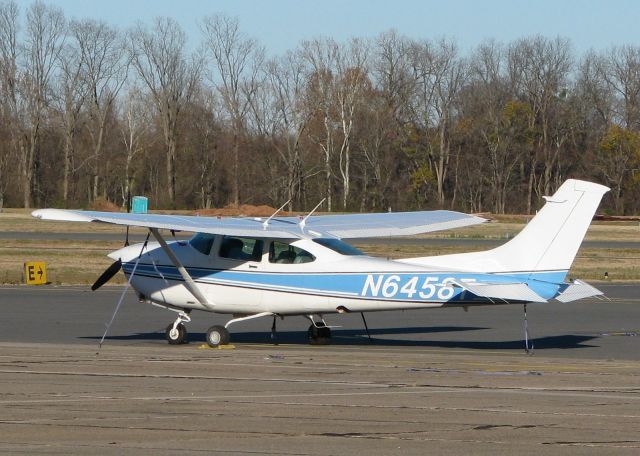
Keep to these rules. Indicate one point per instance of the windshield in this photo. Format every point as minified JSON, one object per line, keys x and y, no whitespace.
{"x":202,"y":242}
{"x":338,"y":246}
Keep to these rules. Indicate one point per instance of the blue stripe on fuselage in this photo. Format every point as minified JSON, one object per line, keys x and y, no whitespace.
{"x":405,"y":286}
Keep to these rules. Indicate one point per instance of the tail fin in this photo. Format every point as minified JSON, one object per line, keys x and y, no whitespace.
{"x":549,"y":242}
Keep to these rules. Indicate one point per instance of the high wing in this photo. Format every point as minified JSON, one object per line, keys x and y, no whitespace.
{"x":341,"y":226}
{"x":352,"y":226}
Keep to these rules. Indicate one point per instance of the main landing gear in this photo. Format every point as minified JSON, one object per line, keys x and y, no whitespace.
{"x":176,"y":333}
{"x":319,"y":333}
{"x":218,"y":335}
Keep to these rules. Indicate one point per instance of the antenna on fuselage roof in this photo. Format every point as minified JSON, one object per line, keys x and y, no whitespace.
{"x":303,"y":222}
{"x":265,"y":224}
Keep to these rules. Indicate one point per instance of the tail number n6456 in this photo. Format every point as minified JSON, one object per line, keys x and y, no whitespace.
{"x":411,"y":287}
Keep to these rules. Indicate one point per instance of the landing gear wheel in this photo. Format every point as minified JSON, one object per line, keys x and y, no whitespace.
{"x":217,"y":335}
{"x":319,"y":335}
{"x":176,"y":336}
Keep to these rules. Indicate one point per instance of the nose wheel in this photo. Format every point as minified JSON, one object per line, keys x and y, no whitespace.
{"x":177,"y":335}
{"x":176,"y":332}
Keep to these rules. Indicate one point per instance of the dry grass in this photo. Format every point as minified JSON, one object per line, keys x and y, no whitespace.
{"x":68,"y":262}
{"x":620,"y":264}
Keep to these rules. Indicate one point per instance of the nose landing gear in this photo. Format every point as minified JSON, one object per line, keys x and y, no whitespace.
{"x":176,"y":332}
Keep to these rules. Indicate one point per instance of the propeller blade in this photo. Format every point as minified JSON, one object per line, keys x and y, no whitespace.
{"x":107,"y":275}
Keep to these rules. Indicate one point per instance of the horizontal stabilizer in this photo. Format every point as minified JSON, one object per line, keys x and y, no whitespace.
{"x":578,"y":290}
{"x":505,"y":291}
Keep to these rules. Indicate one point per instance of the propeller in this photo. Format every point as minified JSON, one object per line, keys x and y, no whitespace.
{"x":110,"y":272}
{"x":107,"y":275}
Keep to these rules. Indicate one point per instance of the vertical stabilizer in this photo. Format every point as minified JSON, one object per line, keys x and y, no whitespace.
{"x":549,"y":242}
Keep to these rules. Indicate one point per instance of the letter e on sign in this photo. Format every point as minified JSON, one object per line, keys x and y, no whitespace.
{"x":35,"y":272}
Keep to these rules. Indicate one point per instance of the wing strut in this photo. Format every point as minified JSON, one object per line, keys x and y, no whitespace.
{"x":188,"y":281}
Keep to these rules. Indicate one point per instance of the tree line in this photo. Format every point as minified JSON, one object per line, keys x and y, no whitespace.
{"x":90,"y":112}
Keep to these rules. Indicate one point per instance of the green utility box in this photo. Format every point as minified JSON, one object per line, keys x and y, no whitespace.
{"x":139,"y":204}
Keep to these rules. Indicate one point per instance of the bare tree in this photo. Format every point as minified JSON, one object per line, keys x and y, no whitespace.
{"x":5,"y":156}
{"x":8,"y":86}
{"x":392,"y":73}
{"x":352,"y":82}
{"x":622,"y":76}
{"x":287,"y":84}
{"x":161,"y":61}
{"x":440,"y":74}
{"x":593,"y":87}
{"x":69,"y":98}
{"x":500,"y":122}
{"x":618,"y":155}
{"x":27,"y":73}
{"x":44,"y":40}
{"x":104,"y":70}
{"x":206,"y":127}
{"x":387,"y":111}
{"x":236,"y":64}
{"x":133,"y":128}
{"x":541,"y":69}
{"x":321,"y":56}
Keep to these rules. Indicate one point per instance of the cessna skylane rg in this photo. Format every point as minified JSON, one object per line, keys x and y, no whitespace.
{"x":285,"y":266}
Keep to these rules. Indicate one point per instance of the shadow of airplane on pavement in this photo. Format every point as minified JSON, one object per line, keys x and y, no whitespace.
{"x":379,"y":337}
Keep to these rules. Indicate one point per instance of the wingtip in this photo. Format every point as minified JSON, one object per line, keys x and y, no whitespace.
{"x":60,"y":215}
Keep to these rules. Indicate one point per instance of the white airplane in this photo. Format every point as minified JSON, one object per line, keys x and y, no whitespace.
{"x":286,"y":266}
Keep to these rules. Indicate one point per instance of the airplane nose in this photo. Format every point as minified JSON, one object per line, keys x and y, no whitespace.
{"x":126,"y":254}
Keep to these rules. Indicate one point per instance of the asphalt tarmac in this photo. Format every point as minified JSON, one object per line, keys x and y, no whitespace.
{"x":430,"y":382}
{"x":591,"y":328}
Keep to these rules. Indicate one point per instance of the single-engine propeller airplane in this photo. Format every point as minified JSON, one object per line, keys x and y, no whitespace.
{"x":285,"y":266}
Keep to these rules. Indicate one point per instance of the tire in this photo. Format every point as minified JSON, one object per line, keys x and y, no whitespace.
{"x":217,"y":335}
{"x":177,"y":337}
{"x":319,"y":335}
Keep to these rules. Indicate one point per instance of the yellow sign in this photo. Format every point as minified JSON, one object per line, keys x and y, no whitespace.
{"x":35,"y":272}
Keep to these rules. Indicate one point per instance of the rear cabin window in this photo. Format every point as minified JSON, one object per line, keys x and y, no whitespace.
{"x":202,"y":242}
{"x":282,"y":253}
{"x":244,"y":249}
{"x":338,"y":246}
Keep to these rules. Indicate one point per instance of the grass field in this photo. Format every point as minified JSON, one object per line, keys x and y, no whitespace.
{"x":81,"y":262}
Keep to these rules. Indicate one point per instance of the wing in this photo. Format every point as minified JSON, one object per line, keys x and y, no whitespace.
{"x":352,"y":226}
{"x":249,"y":227}
{"x":340,"y":226}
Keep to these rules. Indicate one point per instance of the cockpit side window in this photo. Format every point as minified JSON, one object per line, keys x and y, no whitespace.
{"x":202,"y":242}
{"x":237,"y":248}
{"x":283,"y":253}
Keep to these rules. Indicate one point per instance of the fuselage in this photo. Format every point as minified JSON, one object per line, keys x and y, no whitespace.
{"x":305,"y":276}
